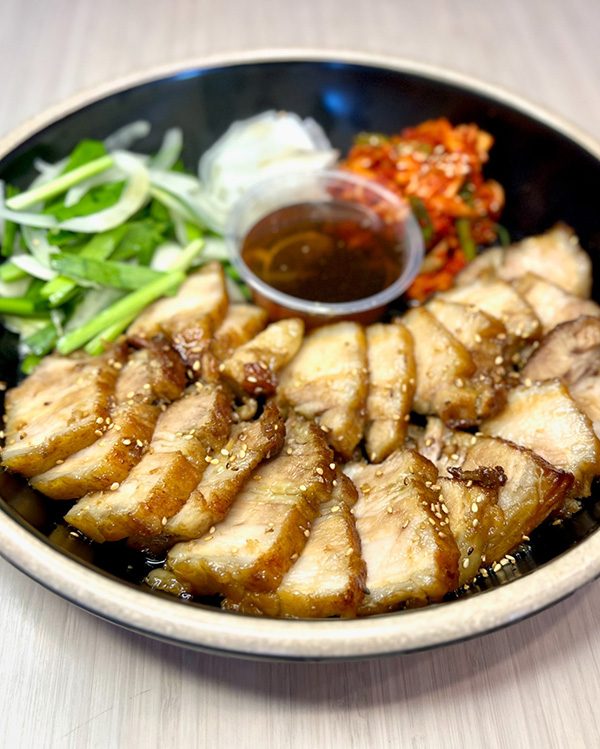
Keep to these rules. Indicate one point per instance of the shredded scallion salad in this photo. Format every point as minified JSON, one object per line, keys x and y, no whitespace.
{"x":106,"y":231}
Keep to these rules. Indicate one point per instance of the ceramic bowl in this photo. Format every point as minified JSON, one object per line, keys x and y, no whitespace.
{"x":550,"y":171}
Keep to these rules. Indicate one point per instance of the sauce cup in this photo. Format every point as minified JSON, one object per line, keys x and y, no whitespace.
{"x":375,"y":201}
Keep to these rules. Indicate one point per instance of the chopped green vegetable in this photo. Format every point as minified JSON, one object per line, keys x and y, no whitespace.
{"x":463,"y":227}
{"x":30,"y":362}
{"x":9,"y":273}
{"x":422,"y":217}
{"x":17,"y":305}
{"x":84,"y":152}
{"x":60,"y":184}
{"x":42,"y":341}
{"x":100,"y":247}
{"x":98,"y":344}
{"x":503,"y":235}
{"x":96,"y":199}
{"x":132,"y":303}
{"x":10,"y":227}
{"x":103,"y":272}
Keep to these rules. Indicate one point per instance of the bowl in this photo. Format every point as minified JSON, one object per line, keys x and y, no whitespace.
{"x":280,"y":210}
{"x":550,"y":171}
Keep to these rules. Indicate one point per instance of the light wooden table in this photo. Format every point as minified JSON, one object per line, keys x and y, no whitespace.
{"x":70,"y":680}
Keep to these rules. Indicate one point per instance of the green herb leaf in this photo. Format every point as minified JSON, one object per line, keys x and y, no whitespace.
{"x":104,"y":272}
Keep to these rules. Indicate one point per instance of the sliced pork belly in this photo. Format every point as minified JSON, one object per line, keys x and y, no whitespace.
{"x":249,"y":444}
{"x":328,"y":579}
{"x":150,"y":376}
{"x":555,"y":256}
{"x":253,"y":367}
{"x":327,"y":381}
{"x":502,"y":301}
{"x":474,"y":517}
{"x":533,"y":488}
{"x":484,"y":336}
{"x":59,"y":409}
{"x":159,"y":485}
{"x":410,"y":553}
{"x":552,"y":304}
{"x":190,"y":317}
{"x":545,"y":419}
{"x":195,"y":425}
{"x":265,"y":530}
{"x":242,"y":322}
{"x":445,"y":374}
{"x":392,"y":378}
{"x":571,"y":352}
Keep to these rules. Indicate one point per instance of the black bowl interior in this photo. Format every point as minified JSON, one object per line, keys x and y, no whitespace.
{"x":547,"y":178}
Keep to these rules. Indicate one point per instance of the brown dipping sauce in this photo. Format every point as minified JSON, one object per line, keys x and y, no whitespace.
{"x":324,"y":252}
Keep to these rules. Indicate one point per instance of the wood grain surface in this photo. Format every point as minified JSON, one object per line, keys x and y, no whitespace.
{"x":70,"y":680}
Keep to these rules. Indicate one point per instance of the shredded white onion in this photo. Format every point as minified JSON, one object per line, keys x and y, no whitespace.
{"x":170,"y":149}
{"x":251,"y":150}
{"x":134,"y":196}
{"x":38,"y":245}
{"x":32,"y":266}
{"x":126,"y":136}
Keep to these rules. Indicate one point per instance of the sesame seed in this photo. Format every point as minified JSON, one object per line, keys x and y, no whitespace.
{"x":114,"y":486}
{"x":215,"y":462}
{"x":334,"y":482}
{"x":307,"y":533}
{"x":294,"y":557}
{"x":390,"y":510}
{"x":349,"y":552}
{"x":459,"y":382}
{"x":527,"y":382}
{"x":474,"y":507}
{"x":379,"y":473}
{"x":475,"y":522}
{"x":497,"y":567}
{"x":289,"y":451}
{"x":320,"y":471}
{"x":465,"y":563}
{"x":99,"y":420}
{"x":441,"y":534}
{"x":234,"y":550}
{"x":256,"y":478}
{"x":324,"y":428}
{"x":332,"y":466}
{"x":196,"y":366}
{"x":498,"y":360}
{"x":224,"y":451}
{"x":209,"y":538}
{"x":127,"y":442}
{"x":98,"y":432}
{"x":302,"y":487}
{"x":335,"y":508}
{"x":59,"y":462}
{"x":139,"y":443}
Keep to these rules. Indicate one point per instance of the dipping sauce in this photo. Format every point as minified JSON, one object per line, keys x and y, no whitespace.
{"x":331,"y":251}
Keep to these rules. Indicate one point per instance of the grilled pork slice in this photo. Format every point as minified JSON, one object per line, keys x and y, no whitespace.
{"x":151,"y":376}
{"x":328,"y":579}
{"x":552,"y":304}
{"x":502,"y":301}
{"x":253,"y":367}
{"x":474,"y":517}
{"x":445,"y":375}
{"x":533,"y":489}
{"x":264,"y":532}
{"x":249,"y":444}
{"x":392,"y":378}
{"x":545,"y":419}
{"x":59,"y":409}
{"x":190,"y":317}
{"x":484,"y":336}
{"x":410,"y":553}
{"x":571,"y":352}
{"x":327,"y":382}
{"x":556,"y":256}
{"x":159,"y":485}
{"x":195,"y":425}
{"x":242,"y":322}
